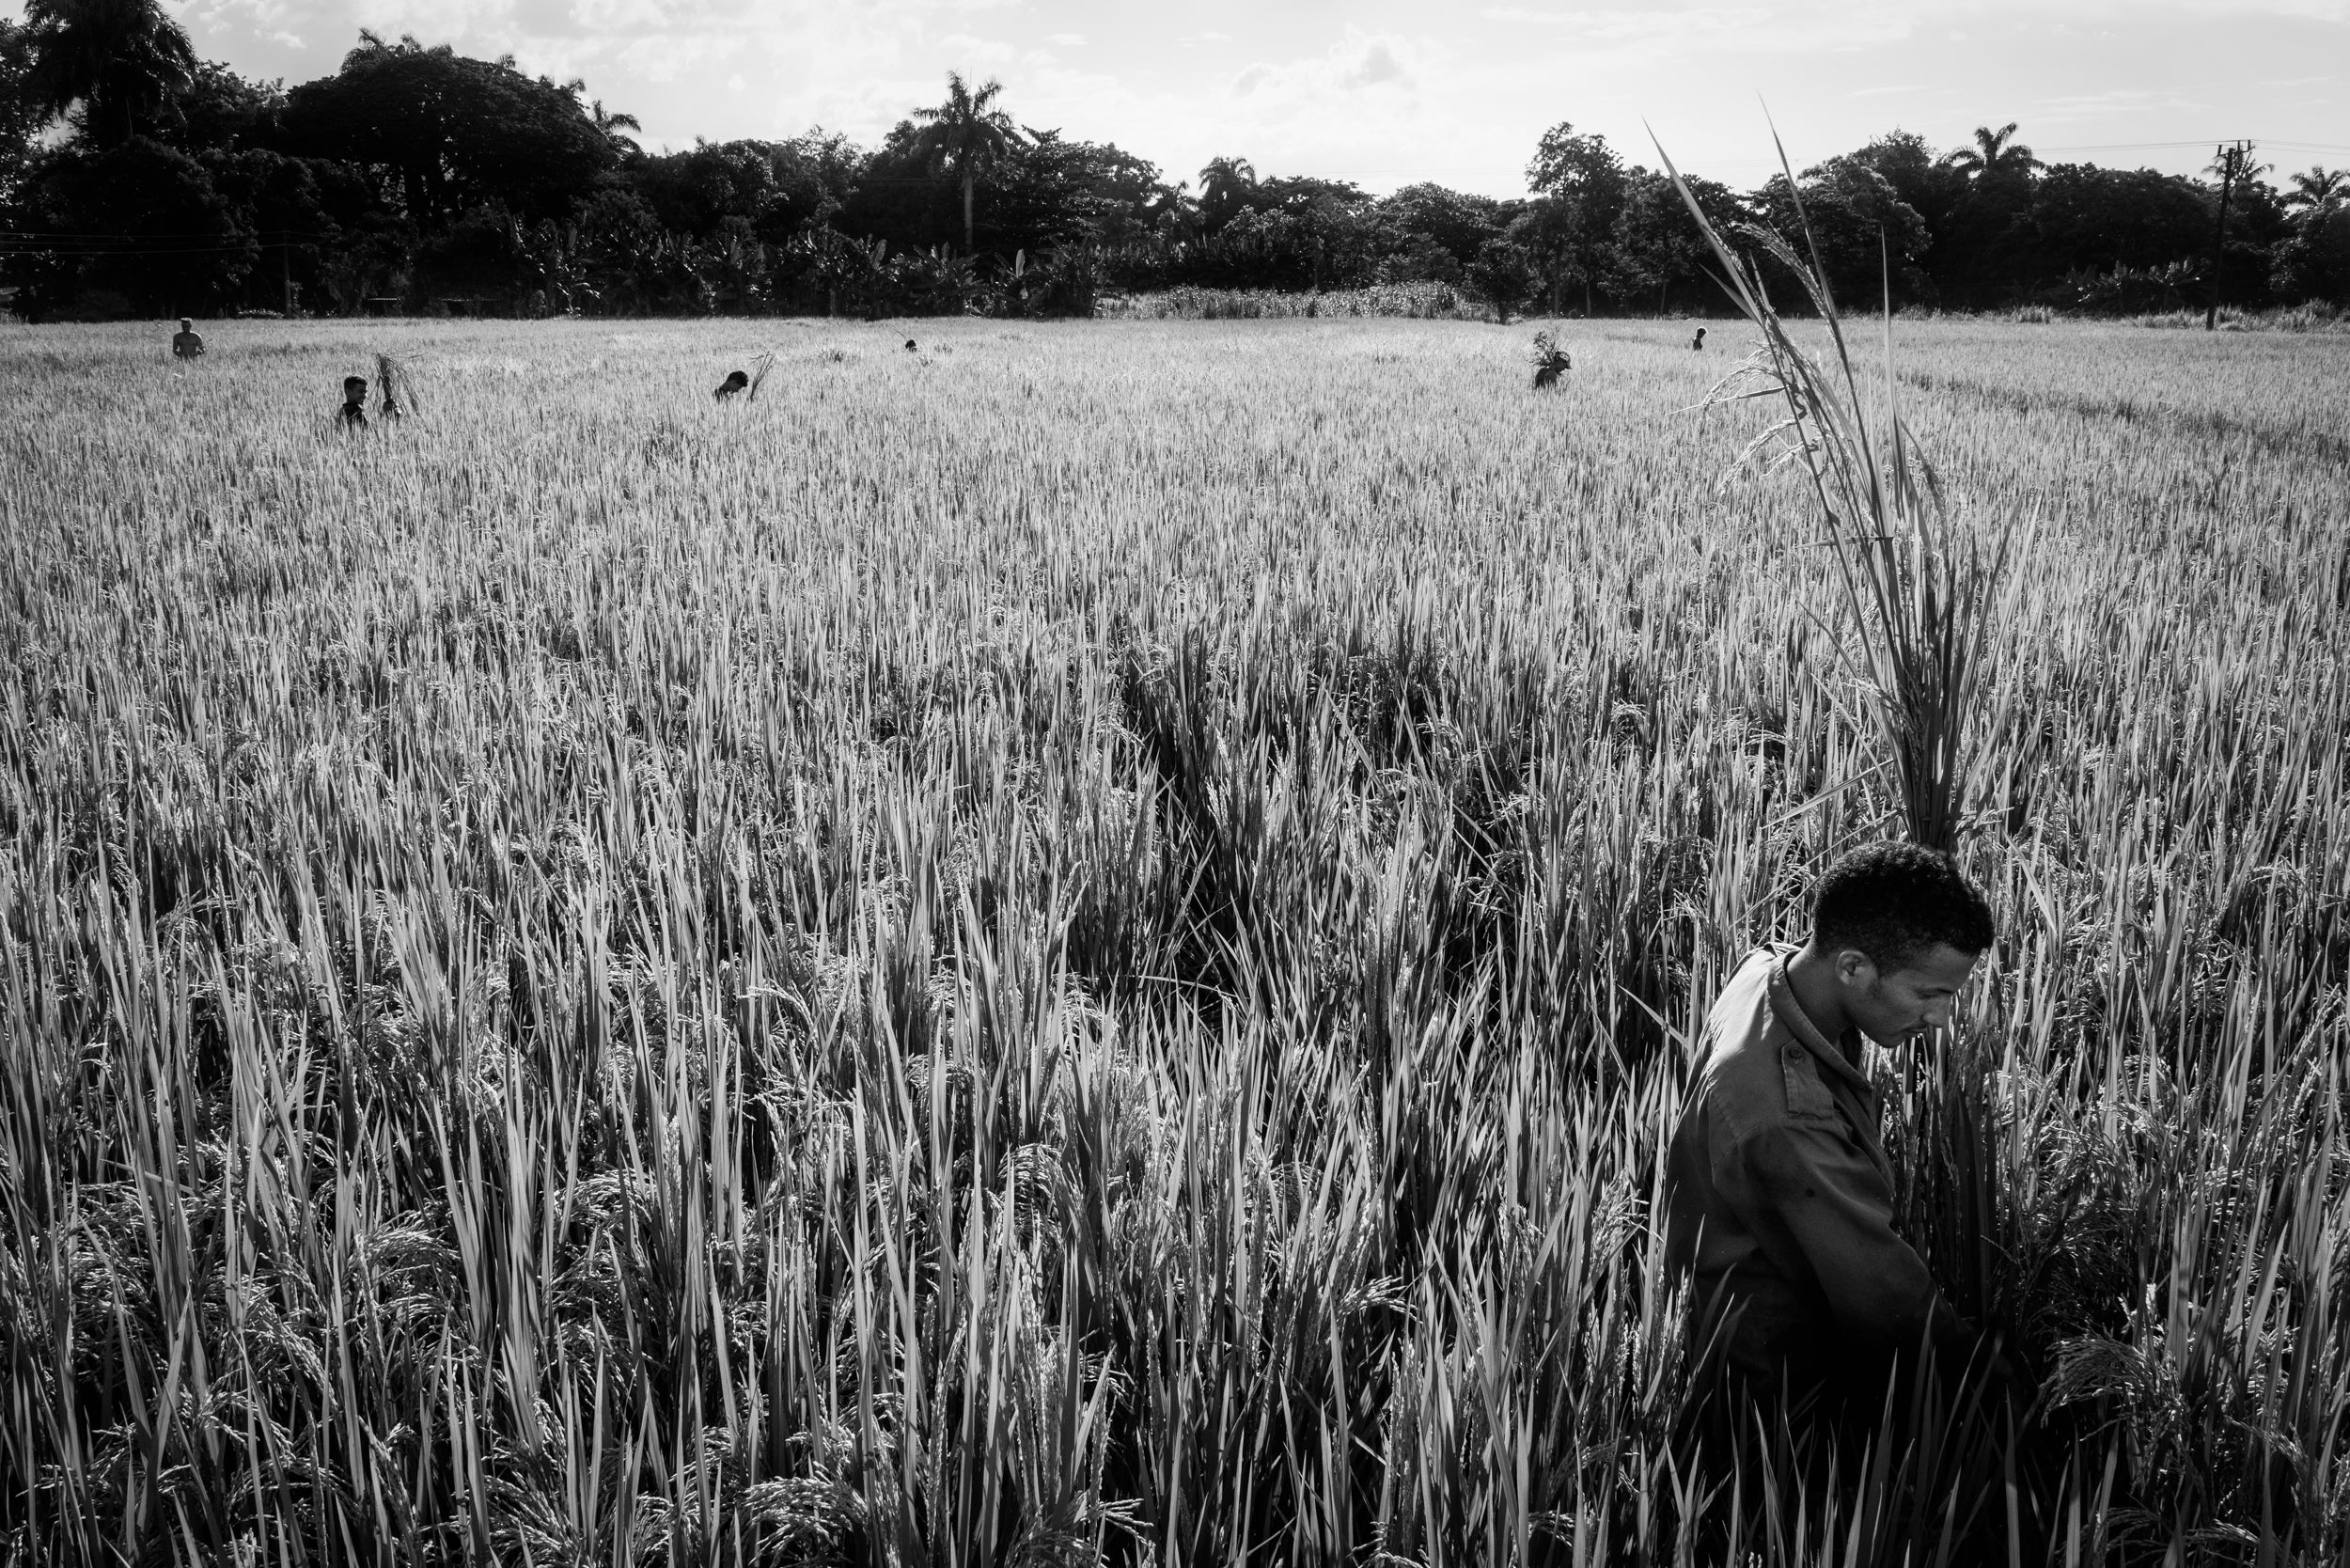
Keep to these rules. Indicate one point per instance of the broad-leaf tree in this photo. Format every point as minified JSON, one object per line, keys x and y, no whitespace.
{"x":451,"y":133}
{"x":1503,"y":273}
{"x":1053,"y":191}
{"x":172,"y":244}
{"x":218,"y":108}
{"x":1459,"y":222}
{"x":1929,"y":184}
{"x":2087,"y":219}
{"x":1858,"y":224}
{"x":2314,"y":263}
{"x":1655,"y":244}
{"x":965,"y":133}
{"x":1583,"y":175}
{"x":695,"y":190}
{"x":118,"y":62}
{"x":19,"y":119}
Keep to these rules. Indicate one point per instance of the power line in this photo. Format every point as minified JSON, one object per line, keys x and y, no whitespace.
{"x":2200,"y":142}
{"x":68,"y":235}
{"x":88,"y":254}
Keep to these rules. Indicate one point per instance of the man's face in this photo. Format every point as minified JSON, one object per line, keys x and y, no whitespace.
{"x":1893,"y":1005}
{"x":356,"y":393}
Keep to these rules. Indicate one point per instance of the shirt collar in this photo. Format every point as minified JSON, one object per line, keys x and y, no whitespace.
{"x":1790,"y":1013}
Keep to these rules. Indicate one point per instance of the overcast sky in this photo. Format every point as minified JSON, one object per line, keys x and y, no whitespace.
{"x":1386,"y":92}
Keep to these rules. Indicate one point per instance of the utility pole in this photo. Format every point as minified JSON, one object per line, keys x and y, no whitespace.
{"x":285,"y":267}
{"x":2233,"y":164}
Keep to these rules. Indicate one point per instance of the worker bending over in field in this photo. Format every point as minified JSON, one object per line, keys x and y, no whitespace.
{"x":1778,"y":1197}
{"x":354,"y":413}
{"x":1550,"y":362}
{"x":736,"y":381}
{"x":1699,"y":342}
{"x":187,"y":343}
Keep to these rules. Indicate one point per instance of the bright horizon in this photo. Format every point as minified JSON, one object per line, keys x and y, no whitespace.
{"x":1387,"y":93}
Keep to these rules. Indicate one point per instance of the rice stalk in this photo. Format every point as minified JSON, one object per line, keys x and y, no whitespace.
{"x":1923,"y":600}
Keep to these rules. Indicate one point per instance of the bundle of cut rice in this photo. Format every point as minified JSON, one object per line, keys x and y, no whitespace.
{"x":1550,"y":361}
{"x":395,"y":387}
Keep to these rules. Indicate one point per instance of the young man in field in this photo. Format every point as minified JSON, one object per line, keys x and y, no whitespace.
{"x":1780,"y":1200}
{"x":187,"y":343}
{"x":354,"y":413}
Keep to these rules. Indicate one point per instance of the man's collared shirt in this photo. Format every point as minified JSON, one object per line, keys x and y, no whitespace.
{"x":1779,"y":1198}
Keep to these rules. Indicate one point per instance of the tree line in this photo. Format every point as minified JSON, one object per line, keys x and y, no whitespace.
{"x":138,"y":179}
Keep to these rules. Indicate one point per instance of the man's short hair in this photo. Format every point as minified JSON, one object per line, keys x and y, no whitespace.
{"x":1894,"y":900}
{"x":349,"y":382}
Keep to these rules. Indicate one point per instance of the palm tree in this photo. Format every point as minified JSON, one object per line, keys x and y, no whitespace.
{"x":1224,"y":184}
{"x":615,"y":127}
{"x":1993,"y":154}
{"x":1170,"y":208}
{"x":2318,"y":189}
{"x":117,"y":58}
{"x":611,"y":127}
{"x":965,"y":133}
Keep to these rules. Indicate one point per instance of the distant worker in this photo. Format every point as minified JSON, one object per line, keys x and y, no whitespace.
{"x":1550,"y":362}
{"x":1779,"y":1195}
{"x":353,"y":413}
{"x":736,"y":381}
{"x":909,"y":345}
{"x":1699,"y":342}
{"x":187,"y":343}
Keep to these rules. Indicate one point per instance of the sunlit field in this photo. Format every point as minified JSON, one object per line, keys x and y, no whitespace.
{"x":1081,"y":942}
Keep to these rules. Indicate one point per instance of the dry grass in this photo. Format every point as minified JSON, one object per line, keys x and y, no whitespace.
{"x":1083,"y":947}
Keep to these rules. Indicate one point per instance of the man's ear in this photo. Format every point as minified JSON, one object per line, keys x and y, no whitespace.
{"x":1852,"y":967}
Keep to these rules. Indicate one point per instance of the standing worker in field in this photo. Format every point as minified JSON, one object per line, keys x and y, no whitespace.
{"x":187,"y":343}
{"x":354,"y":413}
{"x":1780,"y":1199}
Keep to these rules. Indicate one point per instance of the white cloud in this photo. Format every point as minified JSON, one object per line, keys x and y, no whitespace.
{"x":1410,"y":93}
{"x":1355,"y":64}
{"x":1618,"y":25}
{"x":2072,"y":107}
{"x":1376,"y":64}
{"x":1651,"y":33}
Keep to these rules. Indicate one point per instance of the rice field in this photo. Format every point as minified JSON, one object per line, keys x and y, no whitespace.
{"x":1080,"y":943}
